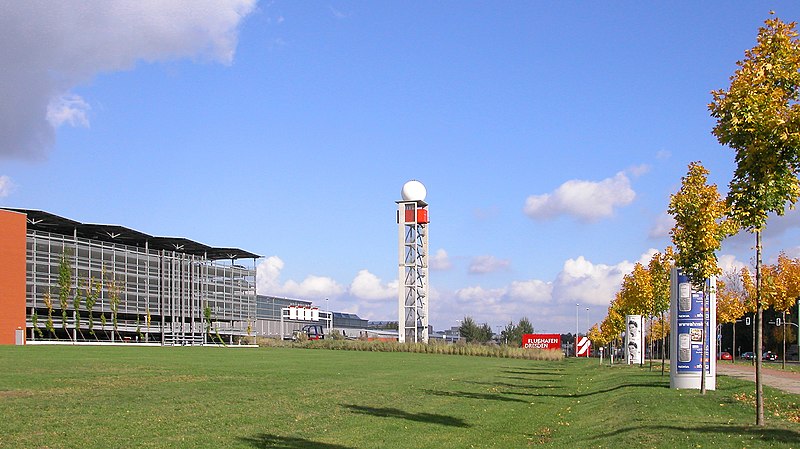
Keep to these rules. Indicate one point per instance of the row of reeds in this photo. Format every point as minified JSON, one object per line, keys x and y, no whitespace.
{"x":469,"y":349}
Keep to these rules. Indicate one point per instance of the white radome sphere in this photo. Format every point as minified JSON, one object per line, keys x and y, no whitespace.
{"x":414,"y":191}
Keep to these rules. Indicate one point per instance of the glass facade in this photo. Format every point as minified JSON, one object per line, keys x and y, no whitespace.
{"x":92,"y":290}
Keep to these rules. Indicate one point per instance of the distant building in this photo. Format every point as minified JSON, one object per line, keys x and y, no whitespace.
{"x":348,"y":321}
{"x":268,"y":316}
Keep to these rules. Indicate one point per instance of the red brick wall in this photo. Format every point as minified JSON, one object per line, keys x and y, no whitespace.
{"x":12,"y":274}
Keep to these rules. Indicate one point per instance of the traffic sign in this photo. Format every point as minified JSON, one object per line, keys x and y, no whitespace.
{"x":584,"y":346}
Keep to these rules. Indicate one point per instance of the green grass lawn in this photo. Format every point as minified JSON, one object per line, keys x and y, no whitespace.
{"x":296,"y":398}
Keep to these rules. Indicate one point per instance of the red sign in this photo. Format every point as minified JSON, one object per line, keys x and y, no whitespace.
{"x":541,"y":341}
{"x":584,"y":347}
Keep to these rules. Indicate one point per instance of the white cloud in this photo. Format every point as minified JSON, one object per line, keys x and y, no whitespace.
{"x":268,"y":274}
{"x":487,"y":264}
{"x":70,"y":109}
{"x":531,"y":298}
{"x":440,"y":261}
{"x":730,"y":264}
{"x":313,"y":288}
{"x":48,"y":48}
{"x":369,"y":287}
{"x":532,"y":291}
{"x":6,"y":186}
{"x":479,"y":294}
{"x":584,"y":200}
{"x":584,"y":282}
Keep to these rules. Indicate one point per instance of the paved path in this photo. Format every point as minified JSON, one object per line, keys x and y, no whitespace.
{"x":782,"y":380}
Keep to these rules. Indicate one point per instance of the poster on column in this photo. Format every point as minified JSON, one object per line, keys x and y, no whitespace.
{"x":690,"y":328}
{"x":690,"y":307}
{"x":634,"y":340}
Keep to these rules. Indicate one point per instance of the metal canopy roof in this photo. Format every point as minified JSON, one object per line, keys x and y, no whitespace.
{"x":47,"y":222}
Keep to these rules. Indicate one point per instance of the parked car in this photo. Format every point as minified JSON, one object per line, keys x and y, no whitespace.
{"x":748,"y":356}
{"x":769,"y":355}
{"x":725,"y":356}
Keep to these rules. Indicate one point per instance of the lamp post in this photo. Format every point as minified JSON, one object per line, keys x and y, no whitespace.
{"x":587,"y":321}
{"x":577,"y":309}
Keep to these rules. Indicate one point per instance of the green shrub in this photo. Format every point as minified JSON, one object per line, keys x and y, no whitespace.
{"x":460,"y":348}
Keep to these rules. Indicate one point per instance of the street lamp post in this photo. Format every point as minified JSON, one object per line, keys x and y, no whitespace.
{"x":587,"y":321}
{"x":577,"y":309}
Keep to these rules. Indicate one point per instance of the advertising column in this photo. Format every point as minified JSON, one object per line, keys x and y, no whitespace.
{"x":687,"y":307}
{"x":634,"y":340}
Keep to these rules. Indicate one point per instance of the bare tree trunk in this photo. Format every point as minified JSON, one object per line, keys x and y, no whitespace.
{"x":733,"y":347}
{"x":703,"y":352}
{"x":759,"y":336}
{"x":754,"y":340}
{"x":663,"y":348}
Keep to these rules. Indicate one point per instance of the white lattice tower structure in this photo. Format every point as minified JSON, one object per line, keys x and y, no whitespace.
{"x":413,"y":298}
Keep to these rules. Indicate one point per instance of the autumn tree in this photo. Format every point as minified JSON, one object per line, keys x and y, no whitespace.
{"x":787,"y":289}
{"x":730,"y":306}
{"x":787,"y":271}
{"x":660,"y":268}
{"x":614,"y":323}
{"x":637,"y":292}
{"x":759,"y":118}
{"x":700,"y":227}
{"x":745,"y":286}
{"x":596,"y":336}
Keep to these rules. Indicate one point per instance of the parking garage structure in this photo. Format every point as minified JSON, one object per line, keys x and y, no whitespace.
{"x":68,"y":281}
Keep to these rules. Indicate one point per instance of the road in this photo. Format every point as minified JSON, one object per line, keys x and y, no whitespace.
{"x":783,"y":380}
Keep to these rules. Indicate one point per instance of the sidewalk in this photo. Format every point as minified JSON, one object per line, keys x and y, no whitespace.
{"x":782,"y":380}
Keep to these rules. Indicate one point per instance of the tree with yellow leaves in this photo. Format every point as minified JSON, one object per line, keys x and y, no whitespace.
{"x":636,"y":293}
{"x":700,"y":227}
{"x":786,"y":273}
{"x":730,"y":307}
{"x":613,"y":324}
{"x":660,"y":267}
{"x":759,"y":118}
{"x":597,"y":337}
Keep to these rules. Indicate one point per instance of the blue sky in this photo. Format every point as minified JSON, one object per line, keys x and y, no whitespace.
{"x":549,"y":136}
